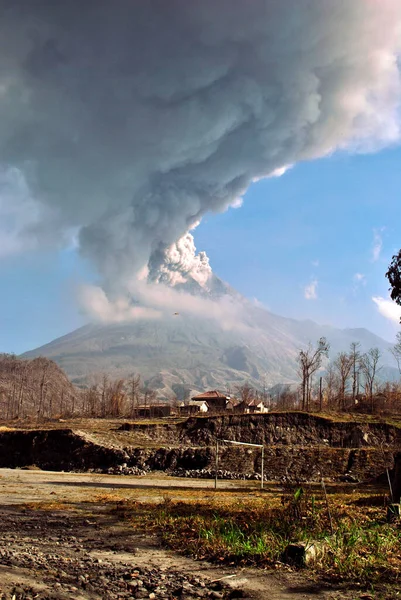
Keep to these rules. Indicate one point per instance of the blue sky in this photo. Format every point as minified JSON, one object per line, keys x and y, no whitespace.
{"x":320,"y":222}
{"x":313,"y":228}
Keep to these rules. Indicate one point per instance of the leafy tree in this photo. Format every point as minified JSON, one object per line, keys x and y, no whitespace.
{"x":394,"y":276}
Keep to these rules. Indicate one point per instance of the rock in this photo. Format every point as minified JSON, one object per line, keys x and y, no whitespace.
{"x":348,"y":478}
{"x":30,"y":542}
{"x":304,"y":553}
{"x":393,"y":513}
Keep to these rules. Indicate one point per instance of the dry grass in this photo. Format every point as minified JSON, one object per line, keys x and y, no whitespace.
{"x":256,"y":530}
{"x":103,"y":425}
{"x":51,"y":506}
{"x":249,"y":527}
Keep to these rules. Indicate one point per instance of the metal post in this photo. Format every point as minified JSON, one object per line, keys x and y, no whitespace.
{"x":262,"y":469}
{"x":320,"y":395}
{"x":217,"y":463}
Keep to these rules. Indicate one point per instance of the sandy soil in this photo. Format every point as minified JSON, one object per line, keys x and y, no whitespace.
{"x":59,"y":539}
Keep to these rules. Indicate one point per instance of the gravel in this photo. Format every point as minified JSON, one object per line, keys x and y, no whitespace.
{"x":211,"y":473}
{"x":44,"y":556}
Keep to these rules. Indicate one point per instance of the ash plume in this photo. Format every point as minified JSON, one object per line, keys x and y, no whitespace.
{"x":132,"y":120}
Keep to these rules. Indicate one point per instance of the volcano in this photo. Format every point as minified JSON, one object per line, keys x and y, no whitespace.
{"x":182,"y":352}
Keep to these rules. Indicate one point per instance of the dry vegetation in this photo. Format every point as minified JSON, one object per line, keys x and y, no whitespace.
{"x":362,"y":547}
{"x":35,"y":387}
{"x":40,"y":389}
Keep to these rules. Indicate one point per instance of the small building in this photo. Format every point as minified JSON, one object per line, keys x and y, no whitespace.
{"x":153,"y":410}
{"x":216,"y":401}
{"x":252,"y":406}
{"x":258,"y":406}
{"x":193,"y":407}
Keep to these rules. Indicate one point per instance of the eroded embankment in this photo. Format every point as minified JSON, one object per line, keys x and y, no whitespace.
{"x":56,"y":450}
{"x":291,"y":428}
{"x":299,"y":445}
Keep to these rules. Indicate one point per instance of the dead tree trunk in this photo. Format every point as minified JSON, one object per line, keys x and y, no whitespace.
{"x":397,"y":478}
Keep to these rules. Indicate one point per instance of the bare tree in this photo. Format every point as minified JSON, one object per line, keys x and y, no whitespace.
{"x":34,"y":387}
{"x":396,"y":351}
{"x":104,"y":394}
{"x":332,"y":385}
{"x":245,"y":392}
{"x":355,"y":357}
{"x":343,"y":365}
{"x":149,"y":397}
{"x":91,"y":400}
{"x":310,"y":361}
{"x":287,"y":400}
{"x":134,"y":394}
{"x":370,"y":368}
{"x":116,"y":398}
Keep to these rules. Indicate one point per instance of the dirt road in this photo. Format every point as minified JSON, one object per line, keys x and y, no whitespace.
{"x":59,"y":539}
{"x":19,"y":485}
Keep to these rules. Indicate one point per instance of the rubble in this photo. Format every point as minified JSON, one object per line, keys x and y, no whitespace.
{"x":56,"y":554}
{"x":211,"y":474}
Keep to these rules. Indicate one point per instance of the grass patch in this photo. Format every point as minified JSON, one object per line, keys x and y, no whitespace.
{"x":362,"y":547}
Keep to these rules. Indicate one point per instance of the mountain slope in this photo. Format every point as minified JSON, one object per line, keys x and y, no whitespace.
{"x":183,"y":351}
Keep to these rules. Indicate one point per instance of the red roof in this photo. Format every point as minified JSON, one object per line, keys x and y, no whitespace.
{"x":210,"y":395}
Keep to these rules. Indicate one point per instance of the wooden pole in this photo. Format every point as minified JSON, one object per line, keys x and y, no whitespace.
{"x":327,"y":505}
{"x":262,"y":469}
{"x":217,"y":463}
{"x":320,"y":394}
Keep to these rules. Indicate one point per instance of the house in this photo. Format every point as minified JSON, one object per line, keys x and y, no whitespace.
{"x":252,"y":406}
{"x":193,"y":407}
{"x":216,"y":401}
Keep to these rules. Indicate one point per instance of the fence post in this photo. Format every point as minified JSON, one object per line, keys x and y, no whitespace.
{"x":217,"y":463}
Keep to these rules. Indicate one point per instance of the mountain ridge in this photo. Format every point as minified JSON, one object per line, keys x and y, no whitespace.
{"x":182,"y":351}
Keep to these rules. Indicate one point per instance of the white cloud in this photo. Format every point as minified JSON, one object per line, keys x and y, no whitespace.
{"x":310,"y":291}
{"x":278,"y":172}
{"x":100,"y":308}
{"x":359,"y":279}
{"x":389,"y":309}
{"x":154,"y":300}
{"x":315,"y":263}
{"x":259,"y":304}
{"x":179,"y":262}
{"x":377,"y":243}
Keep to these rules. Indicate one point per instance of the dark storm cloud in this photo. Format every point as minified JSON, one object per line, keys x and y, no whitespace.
{"x":132,"y":119}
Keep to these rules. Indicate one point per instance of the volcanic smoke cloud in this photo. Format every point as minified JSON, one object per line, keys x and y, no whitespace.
{"x":129,"y":120}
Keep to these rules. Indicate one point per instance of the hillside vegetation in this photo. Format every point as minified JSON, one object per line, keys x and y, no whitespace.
{"x":34,"y":388}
